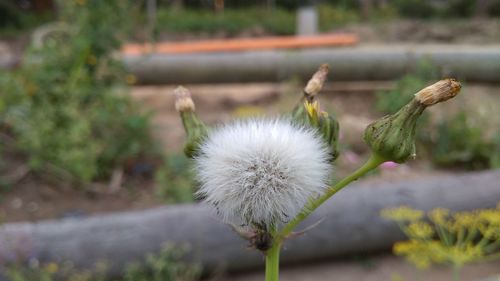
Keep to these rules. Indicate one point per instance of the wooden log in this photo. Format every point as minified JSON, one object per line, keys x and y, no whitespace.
{"x":470,"y":63}
{"x":351,"y":225}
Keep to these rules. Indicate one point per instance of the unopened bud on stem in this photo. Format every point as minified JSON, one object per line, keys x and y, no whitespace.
{"x":393,"y":136}
{"x":196,"y":131}
{"x":327,"y":126}
{"x":308,"y":111}
{"x":312,"y":88}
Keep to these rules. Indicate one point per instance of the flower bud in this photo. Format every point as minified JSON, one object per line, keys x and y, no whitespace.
{"x":327,"y":126}
{"x":329,"y":129}
{"x":308,"y":111}
{"x":313,"y":87}
{"x":393,"y":136}
{"x":196,"y":131}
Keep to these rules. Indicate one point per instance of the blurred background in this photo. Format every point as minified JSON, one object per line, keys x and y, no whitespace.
{"x":88,"y":125}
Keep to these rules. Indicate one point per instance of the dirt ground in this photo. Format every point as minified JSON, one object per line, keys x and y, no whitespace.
{"x":457,"y":31}
{"x":376,"y":268}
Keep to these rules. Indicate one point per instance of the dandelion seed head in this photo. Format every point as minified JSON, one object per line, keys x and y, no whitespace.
{"x":262,"y":172}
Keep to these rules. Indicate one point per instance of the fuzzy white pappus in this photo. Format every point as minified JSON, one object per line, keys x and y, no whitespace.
{"x":261,"y":172}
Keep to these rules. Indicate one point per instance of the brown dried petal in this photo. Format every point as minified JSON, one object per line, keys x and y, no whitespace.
{"x":438,"y":92}
{"x":318,"y":79}
{"x":183,"y":101}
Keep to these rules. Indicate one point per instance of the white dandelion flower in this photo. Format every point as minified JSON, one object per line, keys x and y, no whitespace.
{"x":262,"y":172}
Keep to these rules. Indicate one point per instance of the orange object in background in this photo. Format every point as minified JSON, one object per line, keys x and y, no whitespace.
{"x":243,"y":44}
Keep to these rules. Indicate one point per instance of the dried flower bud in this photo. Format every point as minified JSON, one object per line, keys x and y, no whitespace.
{"x":315,"y":84}
{"x":196,"y":131}
{"x":312,"y":88}
{"x":183,"y":101}
{"x":393,"y":137}
{"x":438,"y":92}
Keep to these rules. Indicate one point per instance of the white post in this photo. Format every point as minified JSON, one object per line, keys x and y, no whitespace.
{"x":307,"y":21}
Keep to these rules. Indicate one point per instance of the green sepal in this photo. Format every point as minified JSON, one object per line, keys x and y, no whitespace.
{"x":196,"y":132}
{"x":393,"y":136}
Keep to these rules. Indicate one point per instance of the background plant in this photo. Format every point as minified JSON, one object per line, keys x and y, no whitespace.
{"x":163,"y":266}
{"x":175,"y":180}
{"x":52,"y":272}
{"x":443,"y":237}
{"x":13,"y":20}
{"x":65,"y":106}
{"x":276,"y":21}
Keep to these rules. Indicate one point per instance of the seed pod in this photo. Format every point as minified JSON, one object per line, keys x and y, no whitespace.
{"x":393,"y":136}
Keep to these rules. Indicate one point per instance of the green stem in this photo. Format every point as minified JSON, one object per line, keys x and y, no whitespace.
{"x":443,"y":236}
{"x":373,"y":162}
{"x":272,"y":255}
{"x":471,"y":234}
{"x":456,"y":273}
{"x":273,"y":262}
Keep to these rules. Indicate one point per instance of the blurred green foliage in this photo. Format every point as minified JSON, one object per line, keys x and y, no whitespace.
{"x":175,"y":179}
{"x":334,"y":16}
{"x":460,"y":139}
{"x":13,"y":20}
{"x":167,"y":265}
{"x":164,"y":266}
{"x":405,"y":8}
{"x":52,"y":272}
{"x":276,"y":21}
{"x":389,"y":102}
{"x":278,"y":18}
{"x":414,"y":8}
{"x":66,"y":104}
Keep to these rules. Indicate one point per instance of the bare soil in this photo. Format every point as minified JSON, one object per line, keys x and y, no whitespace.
{"x":375,"y":268}
{"x":456,"y":31}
